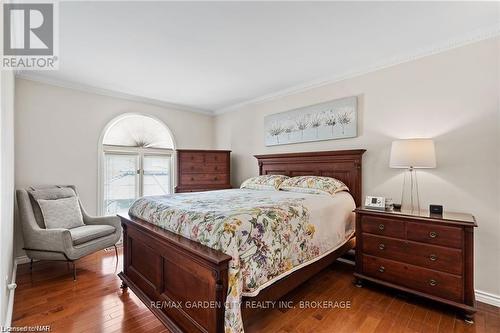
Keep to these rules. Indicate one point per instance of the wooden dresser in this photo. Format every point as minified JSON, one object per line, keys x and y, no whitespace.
{"x":203,"y":170}
{"x":426,"y":255}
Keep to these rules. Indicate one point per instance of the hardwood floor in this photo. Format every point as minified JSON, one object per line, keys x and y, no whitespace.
{"x":95,"y":303}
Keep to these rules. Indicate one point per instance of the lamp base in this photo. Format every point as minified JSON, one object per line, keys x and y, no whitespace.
{"x":410,"y":200}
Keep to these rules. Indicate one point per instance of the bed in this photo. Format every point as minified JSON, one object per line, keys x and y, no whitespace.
{"x":175,"y":266}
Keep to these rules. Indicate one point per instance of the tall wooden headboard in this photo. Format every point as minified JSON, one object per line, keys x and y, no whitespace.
{"x":344,"y":165}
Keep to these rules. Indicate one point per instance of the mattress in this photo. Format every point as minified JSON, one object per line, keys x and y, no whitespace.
{"x":268,"y":234}
{"x":334,"y":221}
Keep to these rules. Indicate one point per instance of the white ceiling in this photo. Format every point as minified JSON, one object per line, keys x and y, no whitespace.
{"x":215,"y":55}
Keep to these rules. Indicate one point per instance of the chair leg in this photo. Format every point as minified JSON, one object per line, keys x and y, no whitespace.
{"x":116,"y":252}
{"x":31,"y":265}
{"x":74,"y":271}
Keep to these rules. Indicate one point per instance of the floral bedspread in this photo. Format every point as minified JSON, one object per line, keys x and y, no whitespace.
{"x":265,"y":235}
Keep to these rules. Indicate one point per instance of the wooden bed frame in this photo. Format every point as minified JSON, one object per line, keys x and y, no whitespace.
{"x":166,"y":270}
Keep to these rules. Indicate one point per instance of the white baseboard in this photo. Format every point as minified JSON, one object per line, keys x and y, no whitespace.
{"x":481,"y":296}
{"x":488,"y":298}
{"x":22,"y":260}
{"x":12,"y":288}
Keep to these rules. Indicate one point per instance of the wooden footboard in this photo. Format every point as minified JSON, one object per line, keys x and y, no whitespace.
{"x":182,"y":282}
{"x":185,"y":283}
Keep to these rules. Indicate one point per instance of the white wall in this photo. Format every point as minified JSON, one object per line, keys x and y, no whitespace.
{"x":452,"y":97}
{"x":58,"y":129}
{"x":6,"y":189}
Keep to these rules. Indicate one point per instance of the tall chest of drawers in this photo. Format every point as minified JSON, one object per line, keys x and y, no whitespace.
{"x":420,"y":253}
{"x":203,"y":170}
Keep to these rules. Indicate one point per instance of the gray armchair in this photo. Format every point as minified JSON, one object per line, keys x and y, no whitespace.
{"x":40,"y":243}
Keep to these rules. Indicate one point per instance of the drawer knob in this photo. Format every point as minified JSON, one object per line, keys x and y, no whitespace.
{"x":433,"y":257}
{"x":433,"y":234}
{"x":381,"y":269}
{"x":215,"y":178}
{"x":216,"y":168}
{"x":192,"y":178}
{"x":192,"y":168}
{"x":381,"y":246}
{"x":381,"y":227}
{"x":433,"y":283}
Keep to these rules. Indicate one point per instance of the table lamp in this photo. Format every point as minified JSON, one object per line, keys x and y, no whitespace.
{"x":412,"y":154}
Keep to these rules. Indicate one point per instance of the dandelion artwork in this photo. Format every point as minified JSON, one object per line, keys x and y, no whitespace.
{"x":331,"y":120}
{"x":289,"y":127}
{"x":275,"y":130}
{"x":302,"y":123}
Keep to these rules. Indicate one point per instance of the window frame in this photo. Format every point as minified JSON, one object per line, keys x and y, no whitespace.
{"x":137,"y":176}
{"x":103,"y":148}
{"x":140,"y":152}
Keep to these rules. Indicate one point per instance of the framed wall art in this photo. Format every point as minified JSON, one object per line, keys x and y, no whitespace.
{"x":337,"y":119}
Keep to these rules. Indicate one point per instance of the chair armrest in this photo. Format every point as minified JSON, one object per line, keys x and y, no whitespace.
{"x":113,"y":221}
{"x":58,"y":240}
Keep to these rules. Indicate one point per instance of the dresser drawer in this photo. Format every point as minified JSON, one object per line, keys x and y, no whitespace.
{"x":192,"y":157}
{"x":216,"y":158}
{"x":195,"y":179}
{"x":192,"y":167}
{"x":382,"y":226}
{"x":435,"y":234}
{"x":424,"y":280}
{"x":434,"y":257}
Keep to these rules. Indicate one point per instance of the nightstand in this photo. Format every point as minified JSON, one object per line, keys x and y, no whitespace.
{"x":420,"y":253}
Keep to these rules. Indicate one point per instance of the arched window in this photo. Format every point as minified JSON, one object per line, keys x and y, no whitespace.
{"x":135,"y":160}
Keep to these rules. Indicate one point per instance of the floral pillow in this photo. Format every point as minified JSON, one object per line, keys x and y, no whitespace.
{"x":266,"y":182}
{"x":313,"y":184}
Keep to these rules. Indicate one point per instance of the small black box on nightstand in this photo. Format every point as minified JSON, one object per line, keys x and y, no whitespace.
{"x":436,"y":209}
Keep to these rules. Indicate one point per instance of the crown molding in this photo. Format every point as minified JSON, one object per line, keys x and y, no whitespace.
{"x":109,"y":93}
{"x":470,"y":38}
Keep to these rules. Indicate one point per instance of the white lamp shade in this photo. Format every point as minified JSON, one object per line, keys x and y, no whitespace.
{"x":415,"y":153}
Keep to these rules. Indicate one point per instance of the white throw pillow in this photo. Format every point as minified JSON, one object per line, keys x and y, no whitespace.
{"x":61,"y":213}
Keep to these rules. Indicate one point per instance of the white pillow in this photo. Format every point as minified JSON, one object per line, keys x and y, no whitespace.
{"x":61,"y":213}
